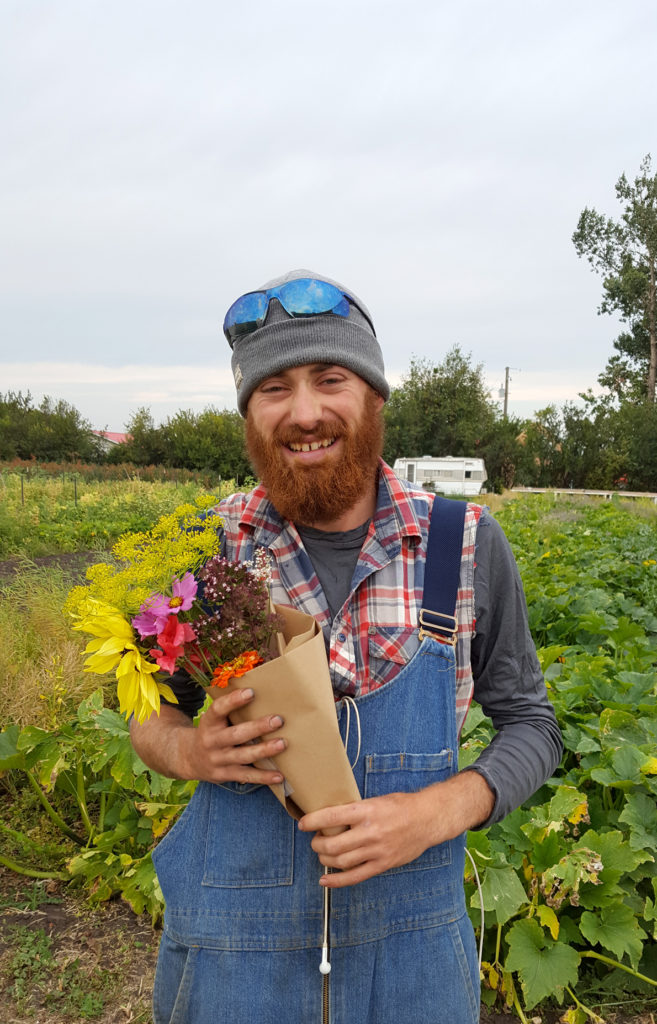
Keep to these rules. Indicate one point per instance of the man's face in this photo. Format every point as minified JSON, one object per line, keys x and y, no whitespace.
{"x":314,"y":434}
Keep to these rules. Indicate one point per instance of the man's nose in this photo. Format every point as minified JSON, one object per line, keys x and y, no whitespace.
{"x":305,"y":406}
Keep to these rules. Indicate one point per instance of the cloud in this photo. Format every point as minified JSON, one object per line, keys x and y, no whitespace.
{"x":107,"y":395}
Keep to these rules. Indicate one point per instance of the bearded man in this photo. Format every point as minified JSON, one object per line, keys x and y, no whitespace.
{"x":347,"y":543}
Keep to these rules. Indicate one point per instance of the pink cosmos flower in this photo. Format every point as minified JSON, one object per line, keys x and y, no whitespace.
{"x":156,"y":610}
{"x":172,"y":640}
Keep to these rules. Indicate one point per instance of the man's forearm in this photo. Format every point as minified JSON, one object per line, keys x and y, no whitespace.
{"x":460,"y":803}
{"x":160,"y":741}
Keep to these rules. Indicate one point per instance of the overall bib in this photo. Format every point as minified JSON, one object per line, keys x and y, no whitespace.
{"x":244,"y":911}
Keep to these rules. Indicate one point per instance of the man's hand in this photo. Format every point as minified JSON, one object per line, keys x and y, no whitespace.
{"x":216,"y":751}
{"x":387,"y":831}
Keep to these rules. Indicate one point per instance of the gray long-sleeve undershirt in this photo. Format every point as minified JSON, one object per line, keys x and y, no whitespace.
{"x":508,"y":682}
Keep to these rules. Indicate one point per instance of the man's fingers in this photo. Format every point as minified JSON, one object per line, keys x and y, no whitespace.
{"x":245,"y":732}
{"x":340,"y":816}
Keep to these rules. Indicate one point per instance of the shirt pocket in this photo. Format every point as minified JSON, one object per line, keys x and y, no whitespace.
{"x":408,"y":773}
{"x":393,"y":643}
{"x":250,"y":839}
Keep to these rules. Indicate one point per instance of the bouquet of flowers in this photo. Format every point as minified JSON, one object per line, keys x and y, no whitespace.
{"x":215,"y":624}
{"x":170,"y":602}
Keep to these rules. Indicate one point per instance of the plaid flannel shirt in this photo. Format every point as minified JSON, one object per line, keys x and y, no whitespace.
{"x":375,"y":633}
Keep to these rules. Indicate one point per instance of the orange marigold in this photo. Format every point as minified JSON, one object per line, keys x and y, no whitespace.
{"x":239,"y":666}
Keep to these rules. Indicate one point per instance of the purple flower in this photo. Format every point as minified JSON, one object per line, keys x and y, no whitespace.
{"x":156,"y":610}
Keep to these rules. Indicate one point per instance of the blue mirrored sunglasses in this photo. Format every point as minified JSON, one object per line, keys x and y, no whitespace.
{"x":303,"y":297}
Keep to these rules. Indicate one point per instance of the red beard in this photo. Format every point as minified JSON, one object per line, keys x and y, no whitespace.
{"x":324,"y":492}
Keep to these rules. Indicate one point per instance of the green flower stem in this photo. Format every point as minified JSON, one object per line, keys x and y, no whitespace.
{"x":589,"y":1013}
{"x":20,"y":869}
{"x":51,"y":812}
{"x":45,"y":850}
{"x":623,"y":967}
{"x":111,"y":799}
{"x":518,"y":1007}
{"x":82,"y":797}
{"x":195,"y":672}
{"x":101,"y":809}
{"x":498,"y":943}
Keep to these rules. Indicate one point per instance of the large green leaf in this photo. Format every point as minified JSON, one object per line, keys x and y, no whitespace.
{"x":615,"y":928}
{"x":618,"y":727}
{"x":640,"y":813}
{"x":502,"y":893}
{"x":615,"y":853}
{"x":10,"y":755}
{"x":544,"y":966}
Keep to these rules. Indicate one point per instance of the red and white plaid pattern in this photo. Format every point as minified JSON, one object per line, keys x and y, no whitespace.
{"x":376,"y":631}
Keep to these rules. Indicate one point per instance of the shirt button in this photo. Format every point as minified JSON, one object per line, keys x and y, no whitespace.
{"x":341,"y":637}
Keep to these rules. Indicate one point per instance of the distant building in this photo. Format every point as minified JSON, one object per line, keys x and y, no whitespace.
{"x":444,"y":475}
{"x":109,"y":439}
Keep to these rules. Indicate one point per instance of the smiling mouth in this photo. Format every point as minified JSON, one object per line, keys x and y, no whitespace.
{"x":311,"y":446}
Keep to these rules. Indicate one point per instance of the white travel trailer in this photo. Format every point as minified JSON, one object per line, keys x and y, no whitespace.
{"x":448,"y":474}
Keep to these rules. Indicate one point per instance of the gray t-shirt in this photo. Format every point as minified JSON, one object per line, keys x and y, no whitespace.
{"x":334,"y":557}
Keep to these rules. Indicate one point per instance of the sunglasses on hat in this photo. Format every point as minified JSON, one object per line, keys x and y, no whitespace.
{"x":304,"y":297}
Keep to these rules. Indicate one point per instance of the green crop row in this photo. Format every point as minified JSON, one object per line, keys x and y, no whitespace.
{"x":62,"y":514}
{"x":568,"y":882}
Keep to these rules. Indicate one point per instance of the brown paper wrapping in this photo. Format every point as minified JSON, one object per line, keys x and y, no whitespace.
{"x":296,"y":685}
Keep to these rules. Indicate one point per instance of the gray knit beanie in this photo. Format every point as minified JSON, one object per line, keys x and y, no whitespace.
{"x":284,"y":341}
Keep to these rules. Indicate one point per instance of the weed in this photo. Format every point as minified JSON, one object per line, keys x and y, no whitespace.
{"x":29,"y":963}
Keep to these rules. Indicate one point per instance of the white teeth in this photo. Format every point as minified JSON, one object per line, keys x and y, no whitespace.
{"x":312,"y":447}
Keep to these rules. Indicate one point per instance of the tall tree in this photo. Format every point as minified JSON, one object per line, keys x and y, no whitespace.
{"x":441,"y":409}
{"x":625,"y":252}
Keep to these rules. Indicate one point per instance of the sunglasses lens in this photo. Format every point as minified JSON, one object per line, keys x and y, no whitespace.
{"x":303,"y":297}
{"x":308,"y":297}
{"x":246,"y":315}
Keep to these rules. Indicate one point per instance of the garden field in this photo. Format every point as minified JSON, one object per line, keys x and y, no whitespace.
{"x":569,"y":883}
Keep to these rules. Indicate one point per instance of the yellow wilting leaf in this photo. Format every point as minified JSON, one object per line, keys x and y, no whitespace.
{"x":649,"y":767}
{"x":580,"y":812}
{"x":574,"y":1016}
{"x":493,"y":978}
{"x":548,"y":919}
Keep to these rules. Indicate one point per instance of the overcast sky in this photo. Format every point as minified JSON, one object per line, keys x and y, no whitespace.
{"x":161,"y":158}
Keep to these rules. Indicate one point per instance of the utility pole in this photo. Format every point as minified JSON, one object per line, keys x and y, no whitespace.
{"x":504,"y":391}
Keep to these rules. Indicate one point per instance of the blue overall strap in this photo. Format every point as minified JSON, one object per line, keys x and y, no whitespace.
{"x":442,"y":571}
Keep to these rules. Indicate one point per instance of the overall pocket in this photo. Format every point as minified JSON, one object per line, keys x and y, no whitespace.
{"x":408,"y":773}
{"x":250,"y":839}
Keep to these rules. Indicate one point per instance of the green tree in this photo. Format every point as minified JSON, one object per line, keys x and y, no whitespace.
{"x":54,"y":431}
{"x":439,"y":409}
{"x":502,"y":453}
{"x":542,"y":463}
{"x":625,"y":252}
{"x":146,"y":446}
{"x":207,"y":440}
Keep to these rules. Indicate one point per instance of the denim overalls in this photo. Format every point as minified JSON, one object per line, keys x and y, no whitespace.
{"x":244,"y":911}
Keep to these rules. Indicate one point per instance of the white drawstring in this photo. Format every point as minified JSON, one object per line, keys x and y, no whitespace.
{"x":481,"y":907}
{"x":349,"y":703}
{"x":325,"y":967}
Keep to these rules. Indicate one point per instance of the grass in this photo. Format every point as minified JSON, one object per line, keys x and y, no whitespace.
{"x":41,"y":674}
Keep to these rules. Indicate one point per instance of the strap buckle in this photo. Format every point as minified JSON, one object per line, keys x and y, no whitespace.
{"x":448,"y":624}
